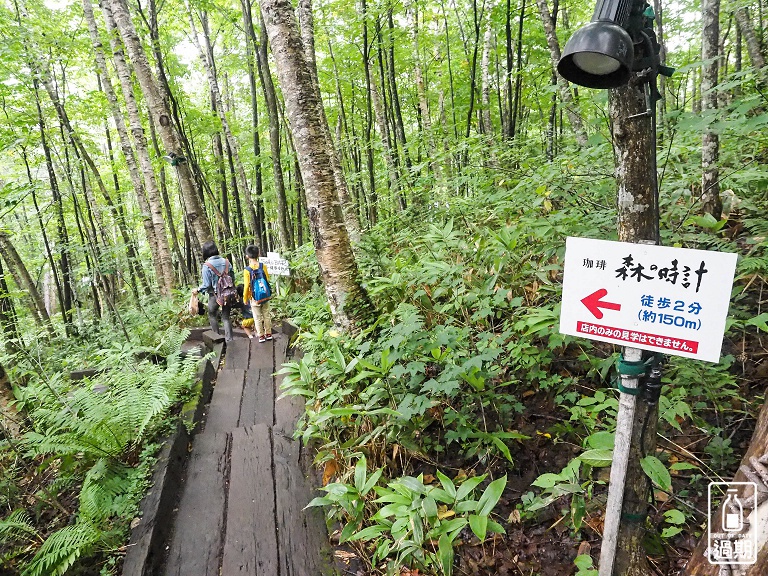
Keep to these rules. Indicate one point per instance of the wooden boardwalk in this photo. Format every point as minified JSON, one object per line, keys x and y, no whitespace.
{"x":241,"y":508}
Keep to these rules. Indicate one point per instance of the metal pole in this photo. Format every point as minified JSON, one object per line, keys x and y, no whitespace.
{"x":624,"y":423}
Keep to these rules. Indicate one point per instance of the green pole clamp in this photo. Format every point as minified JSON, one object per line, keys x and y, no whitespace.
{"x":634,"y":518}
{"x":632,"y":369}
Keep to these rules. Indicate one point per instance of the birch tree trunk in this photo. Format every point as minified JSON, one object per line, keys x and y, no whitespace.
{"x":24,"y":281}
{"x":744,"y":22}
{"x":251,"y":46}
{"x":61,"y":227}
{"x":710,"y":142}
{"x":350,"y":305}
{"x":152,"y":217}
{"x":485,"y":74}
{"x":195,"y":213}
{"x":270,"y":97}
{"x":421,"y":92}
{"x":232,"y":144}
{"x":571,"y":106}
{"x":307,"y":27}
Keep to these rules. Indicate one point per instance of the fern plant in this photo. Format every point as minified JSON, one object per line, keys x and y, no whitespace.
{"x":96,"y":433}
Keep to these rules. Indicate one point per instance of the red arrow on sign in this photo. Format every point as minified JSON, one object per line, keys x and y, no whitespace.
{"x":593,"y":303}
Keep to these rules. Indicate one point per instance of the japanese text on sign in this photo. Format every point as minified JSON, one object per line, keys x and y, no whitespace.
{"x":673,"y":300}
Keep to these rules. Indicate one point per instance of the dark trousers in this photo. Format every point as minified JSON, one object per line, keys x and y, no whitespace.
{"x":213,"y":308}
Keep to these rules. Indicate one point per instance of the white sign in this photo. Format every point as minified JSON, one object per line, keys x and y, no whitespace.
{"x":671,"y":300}
{"x":276,"y":266}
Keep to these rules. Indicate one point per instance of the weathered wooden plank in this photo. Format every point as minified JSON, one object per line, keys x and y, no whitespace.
{"x":258,"y":398}
{"x":197,"y":540}
{"x":238,"y":352}
{"x":261,"y":354}
{"x":301,"y":533}
{"x":197,"y":333}
{"x":210,"y":338}
{"x":146,"y":550}
{"x":224,"y":411}
{"x":250,"y":547}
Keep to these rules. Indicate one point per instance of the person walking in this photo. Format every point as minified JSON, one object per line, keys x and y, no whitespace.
{"x":257,"y":291}
{"x":214,"y":268}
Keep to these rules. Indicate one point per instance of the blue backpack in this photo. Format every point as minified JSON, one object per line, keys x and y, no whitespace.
{"x":260,"y":287}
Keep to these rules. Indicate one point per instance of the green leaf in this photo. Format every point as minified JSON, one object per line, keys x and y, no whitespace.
{"x":760,"y":322}
{"x":361,"y":471}
{"x":467,"y":486}
{"x":372,"y":479}
{"x":368,"y":533}
{"x":413,"y":484}
{"x":674,"y":516}
{"x":578,"y":511}
{"x":491,"y":496}
{"x":479,"y":525}
{"x":683,"y":466}
{"x":547,"y":480}
{"x":347,"y":532}
{"x":430,"y":507}
{"x":583,"y":561}
{"x":445,"y":554}
{"x":670,"y":531}
{"x":598,"y":458}
{"x":657,"y":472}
{"x":601,"y":440}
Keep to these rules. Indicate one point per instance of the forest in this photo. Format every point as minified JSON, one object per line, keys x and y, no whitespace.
{"x":420,"y":164}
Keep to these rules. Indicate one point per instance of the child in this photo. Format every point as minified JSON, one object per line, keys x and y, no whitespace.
{"x":247,"y":314}
{"x":257,"y":273}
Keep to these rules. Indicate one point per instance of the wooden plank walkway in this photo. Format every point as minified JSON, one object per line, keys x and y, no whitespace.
{"x":241,"y":509}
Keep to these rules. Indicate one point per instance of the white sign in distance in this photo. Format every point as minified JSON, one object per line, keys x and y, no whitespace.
{"x":276,"y":266}
{"x":670,"y":300}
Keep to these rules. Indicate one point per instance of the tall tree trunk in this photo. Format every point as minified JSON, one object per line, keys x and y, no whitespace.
{"x":350,"y":305}
{"x":397,"y":113}
{"x":195,"y":213}
{"x":369,"y":107}
{"x":571,"y":106}
{"x":421,"y":92}
{"x":8,"y":321}
{"x":46,"y":242}
{"x":710,"y":142}
{"x":307,"y":28}
{"x":638,"y":216}
{"x":270,"y":97}
{"x":518,"y":74}
{"x":485,"y":73}
{"x":152,"y":217}
{"x":234,"y":148}
{"x":61,"y":226}
{"x":24,"y":281}
{"x":82,"y":153}
{"x":183,"y":263}
{"x":473,"y":66}
{"x":756,"y":55}
{"x":251,"y":46}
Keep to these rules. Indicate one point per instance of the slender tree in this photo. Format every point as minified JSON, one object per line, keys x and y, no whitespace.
{"x":23,"y":280}
{"x":307,"y":27}
{"x":152,"y":216}
{"x":571,"y":106}
{"x":158,"y":107}
{"x":350,"y":305}
{"x":710,"y":141}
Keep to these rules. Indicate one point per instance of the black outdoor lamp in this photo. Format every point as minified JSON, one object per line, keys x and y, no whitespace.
{"x":601,"y":54}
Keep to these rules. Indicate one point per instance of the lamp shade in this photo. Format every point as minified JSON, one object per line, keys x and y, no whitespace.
{"x":599,"y":55}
